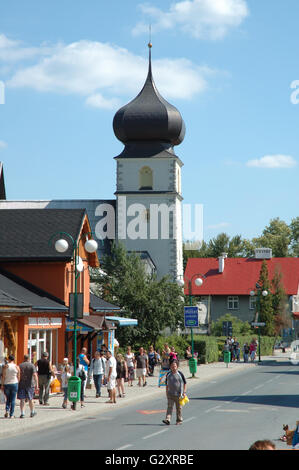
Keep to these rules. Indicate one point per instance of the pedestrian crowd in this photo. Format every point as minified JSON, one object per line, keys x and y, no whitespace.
{"x":248,"y":350}
{"x":27,"y":381}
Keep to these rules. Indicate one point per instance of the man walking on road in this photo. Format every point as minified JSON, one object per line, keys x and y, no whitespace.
{"x":141,"y":367}
{"x":44,"y":372}
{"x":175,"y":388}
{"x":28,"y":383}
{"x":111,"y":377}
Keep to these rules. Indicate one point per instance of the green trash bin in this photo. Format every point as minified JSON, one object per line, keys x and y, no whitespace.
{"x":74,"y":389}
{"x":226,"y":357}
{"x":193,"y":365}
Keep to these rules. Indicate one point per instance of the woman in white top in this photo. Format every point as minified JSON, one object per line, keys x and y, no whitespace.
{"x":10,"y":383}
{"x":130,"y":359}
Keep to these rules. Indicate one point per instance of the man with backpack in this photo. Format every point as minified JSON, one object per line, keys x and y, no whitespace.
{"x":97,"y":371}
{"x":175,"y":389}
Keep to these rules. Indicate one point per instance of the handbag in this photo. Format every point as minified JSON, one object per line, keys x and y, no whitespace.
{"x":184,"y":400}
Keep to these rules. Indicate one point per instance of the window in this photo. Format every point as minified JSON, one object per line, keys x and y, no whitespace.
{"x":252,"y":303}
{"x":146,"y":178}
{"x":232,"y":302}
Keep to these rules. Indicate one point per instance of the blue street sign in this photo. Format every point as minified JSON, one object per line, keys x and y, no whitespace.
{"x":191,"y":317}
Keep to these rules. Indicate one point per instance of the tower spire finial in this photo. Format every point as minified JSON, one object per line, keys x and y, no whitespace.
{"x":150,"y":51}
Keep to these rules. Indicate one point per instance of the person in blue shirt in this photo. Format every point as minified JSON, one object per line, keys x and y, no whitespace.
{"x":84,"y":361}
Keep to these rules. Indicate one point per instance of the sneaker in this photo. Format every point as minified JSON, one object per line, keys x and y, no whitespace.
{"x":6,"y":414}
{"x":145,"y":383}
{"x":166,"y":421}
{"x":179,"y":422}
{"x":32,"y":414}
{"x":22,"y":415}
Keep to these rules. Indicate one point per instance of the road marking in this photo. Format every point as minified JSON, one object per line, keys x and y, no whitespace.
{"x":150,"y":412}
{"x":233,"y":411}
{"x":258,"y":386}
{"x":125,"y":447}
{"x":155,"y":434}
{"x":211,"y":409}
{"x":247,"y":393}
{"x":189,"y":419}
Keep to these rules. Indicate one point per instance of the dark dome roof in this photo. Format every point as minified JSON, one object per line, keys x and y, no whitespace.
{"x":149,"y":117}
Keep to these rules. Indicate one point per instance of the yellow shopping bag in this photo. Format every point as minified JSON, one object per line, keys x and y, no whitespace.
{"x":184,"y":400}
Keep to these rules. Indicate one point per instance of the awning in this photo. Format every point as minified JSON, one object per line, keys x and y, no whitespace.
{"x":122,"y":321}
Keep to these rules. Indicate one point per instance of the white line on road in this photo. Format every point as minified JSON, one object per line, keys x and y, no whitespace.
{"x":211,"y":409}
{"x":233,"y":411}
{"x":125,"y":447}
{"x":189,"y":419}
{"x":155,"y":434}
{"x":247,"y":393}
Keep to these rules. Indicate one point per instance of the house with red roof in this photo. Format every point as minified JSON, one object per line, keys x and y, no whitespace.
{"x":227,"y":283}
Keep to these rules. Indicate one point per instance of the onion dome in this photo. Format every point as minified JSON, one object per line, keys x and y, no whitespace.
{"x":149,"y":117}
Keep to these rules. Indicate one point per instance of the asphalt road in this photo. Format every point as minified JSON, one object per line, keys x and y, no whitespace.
{"x":227,"y":413}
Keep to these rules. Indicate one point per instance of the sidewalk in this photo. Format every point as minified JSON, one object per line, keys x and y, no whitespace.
{"x":54,"y":414}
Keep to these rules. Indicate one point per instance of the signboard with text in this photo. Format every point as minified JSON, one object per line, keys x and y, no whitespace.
{"x":191,"y":317}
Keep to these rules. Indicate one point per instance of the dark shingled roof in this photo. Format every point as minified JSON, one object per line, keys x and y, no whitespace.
{"x":25,"y":233}
{"x":100,"y":305}
{"x":15,"y":292}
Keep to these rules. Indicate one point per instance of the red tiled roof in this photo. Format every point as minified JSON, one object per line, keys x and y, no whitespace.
{"x":239,"y":276}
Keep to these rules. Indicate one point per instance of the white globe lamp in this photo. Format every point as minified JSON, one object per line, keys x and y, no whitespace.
{"x":61,"y":245}
{"x":91,"y":246}
{"x":198,"y":282}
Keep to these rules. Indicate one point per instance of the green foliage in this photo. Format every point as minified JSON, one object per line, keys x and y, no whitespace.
{"x":278,"y":236}
{"x":179,"y":342}
{"x":239,"y":327}
{"x":282,"y":238}
{"x":156,"y":304}
{"x":207,"y":348}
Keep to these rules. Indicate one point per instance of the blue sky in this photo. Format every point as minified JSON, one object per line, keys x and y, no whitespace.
{"x":227,"y":65}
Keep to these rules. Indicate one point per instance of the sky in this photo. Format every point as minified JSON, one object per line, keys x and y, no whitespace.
{"x":231,"y":67}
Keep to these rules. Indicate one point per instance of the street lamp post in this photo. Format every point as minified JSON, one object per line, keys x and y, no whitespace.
{"x":62,"y":245}
{"x":259,"y":293}
{"x":198,"y":282}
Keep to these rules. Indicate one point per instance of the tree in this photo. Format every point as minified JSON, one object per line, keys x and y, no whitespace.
{"x":239,"y":327}
{"x":294,"y":226}
{"x":264,"y":303}
{"x":155,"y":303}
{"x":277,"y":236}
{"x":279,"y":303}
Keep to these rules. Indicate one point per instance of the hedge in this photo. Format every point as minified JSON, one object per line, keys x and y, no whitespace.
{"x":210,"y":348}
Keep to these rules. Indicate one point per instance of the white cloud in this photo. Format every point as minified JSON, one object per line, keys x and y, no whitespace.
{"x":98,"y":101}
{"x":104,"y":72}
{"x":13,"y":51}
{"x":218,"y":226}
{"x":202,"y":19}
{"x":3,"y":144}
{"x":273,"y":161}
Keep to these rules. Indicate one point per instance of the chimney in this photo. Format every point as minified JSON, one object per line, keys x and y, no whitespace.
{"x":221,"y":262}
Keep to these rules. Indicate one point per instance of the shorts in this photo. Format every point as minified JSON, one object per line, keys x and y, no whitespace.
{"x":111,"y":383}
{"x":140,"y":372}
{"x":24,"y":393}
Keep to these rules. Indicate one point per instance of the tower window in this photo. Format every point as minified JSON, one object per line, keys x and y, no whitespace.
{"x":146,"y":178}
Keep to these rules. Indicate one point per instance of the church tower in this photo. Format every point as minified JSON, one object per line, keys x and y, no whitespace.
{"x":148,"y":192}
